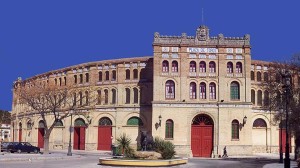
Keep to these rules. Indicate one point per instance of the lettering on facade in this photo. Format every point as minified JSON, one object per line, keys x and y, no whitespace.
{"x":202,"y":50}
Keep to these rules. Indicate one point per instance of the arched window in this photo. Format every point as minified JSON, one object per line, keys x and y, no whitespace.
{"x":99,"y":97}
{"x":174,"y":66}
{"x":169,"y":128}
{"x":87,"y":77}
{"x":193,"y":90}
{"x":100,"y":76}
{"x":202,"y":90}
{"x":212,"y":67}
{"x":260,"y":123}
{"x":234,"y":91}
{"x":127,"y":101}
{"x":135,"y":74}
{"x":106,"y":75}
{"x":114,"y":75}
{"x":106,"y":96}
{"x":253,"y":96}
{"x":259,"y":98}
{"x":235,"y":129}
{"x":55,"y":81}
{"x":80,"y":98}
{"x":127,"y":74}
{"x":192,"y":66}
{"x":86,"y":98}
{"x":59,"y":81}
{"x":266,"y":98}
{"x":258,"y":76}
{"x":266,"y":77}
{"x":74,"y":99}
{"x":105,"y":121}
{"x":239,"y":68}
{"x":29,"y":124}
{"x":114,"y":96}
{"x":170,"y":90}
{"x":212,"y":91}
{"x":252,"y":75}
{"x":75,"y":79}
{"x":80,"y":78}
{"x":135,"y":121}
{"x":229,"y":67}
{"x":202,"y":67}
{"x":65,"y":80}
{"x":135,"y":95}
{"x":165,"y":66}
{"x":79,"y":122}
{"x":59,"y":123}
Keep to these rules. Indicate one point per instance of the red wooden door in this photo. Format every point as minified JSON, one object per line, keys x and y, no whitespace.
{"x":104,"y":137}
{"x":283,"y":138}
{"x":20,"y":135}
{"x":202,"y":138}
{"x":41,"y":134}
{"x":82,"y":138}
{"x":76,"y":138}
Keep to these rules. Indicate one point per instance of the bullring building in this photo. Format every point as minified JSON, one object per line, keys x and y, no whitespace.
{"x":200,"y":92}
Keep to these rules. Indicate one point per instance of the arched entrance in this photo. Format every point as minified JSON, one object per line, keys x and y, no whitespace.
{"x":104,"y":134}
{"x":41,"y":133}
{"x":202,"y":136}
{"x":79,"y":134}
{"x":20,"y":132}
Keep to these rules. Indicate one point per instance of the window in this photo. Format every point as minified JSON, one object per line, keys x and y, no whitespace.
{"x":259,"y":98}
{"x":238,"y":67}
{"x":165,"y":66}
{"x":252,"y":75}
{"x":266,"y":77}
{"x":29,"y":125}
{"x":235,"y":129}
{"x":174,"y":66}
{"x":202,"y":67}
{"x":266,"y":98}
{"x":74,"y":99}
{"x":59,"y":123}
{"x":114,"y":75}
{"x":229,"y":67}
{"x":192,"y":66}
{"x":80,"y":78}
{"x":60,"y":82}
{"x":135,"y":74}
{"x":75,"y":79}
{"x":86,"y":98}
{"x":260,"y":123}
{"x":193,"y":90}
{"x":80,"y":98}
{"x":258,"y":76}
{"x":202,"y":90}
{"x":100,"y":76}
{"x":65,"y":79}
{"x":169,"y":128}
{"x":170,"y":90}
{"x":87,"y":78}
{"x":212,"y":67}
{"x":99,"y":97}
{"x":234,"y":91}
{"x":105,"y":121}
{"x":212,"y":91}
{"x":127,"y":74}
{"x":127,"y":101}
{"x":114,"y":96}
{"x":135,"y":121}
{"x":55,"y":81}
{"x":106,"y":75}
{"x":253,"y":96}
{"x":135,"y":95}
{"x":106,"y":96}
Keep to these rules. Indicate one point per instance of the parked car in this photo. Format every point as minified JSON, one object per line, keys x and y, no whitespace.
{"x":4,"y":146}
{"x":22,"y":147}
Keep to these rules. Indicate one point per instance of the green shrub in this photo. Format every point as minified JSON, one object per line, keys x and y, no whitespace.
{"x":124,"y":146}
{"x":165,"y":148}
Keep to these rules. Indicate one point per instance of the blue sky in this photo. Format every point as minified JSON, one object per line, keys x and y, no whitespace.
{"x":39,"y":36}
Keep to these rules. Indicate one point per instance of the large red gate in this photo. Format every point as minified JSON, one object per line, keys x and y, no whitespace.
{"x":202,"y":136}
{"x":41,"y":133}
{"x":283,"y":138}
{"x":79,"y":138}
{"x":104,"y":137}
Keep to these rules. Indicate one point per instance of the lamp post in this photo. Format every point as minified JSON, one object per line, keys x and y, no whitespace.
{"x":287,"y":84}
{"x":280,"y":148}
{"x":70,"y":130}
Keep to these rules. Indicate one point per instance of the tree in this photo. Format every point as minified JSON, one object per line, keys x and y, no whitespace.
{"x":53,"y":103}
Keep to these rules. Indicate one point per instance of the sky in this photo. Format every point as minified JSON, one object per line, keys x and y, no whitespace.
{"x":39,"y":36}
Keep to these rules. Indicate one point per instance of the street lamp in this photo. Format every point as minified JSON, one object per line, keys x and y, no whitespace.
{"x":287,"y":84}
{"x":70,"y":130}
{"x":280,"y":148}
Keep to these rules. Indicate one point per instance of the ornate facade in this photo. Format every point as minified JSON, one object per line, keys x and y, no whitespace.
{"x":200,"y":92}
